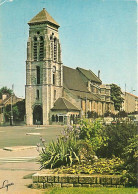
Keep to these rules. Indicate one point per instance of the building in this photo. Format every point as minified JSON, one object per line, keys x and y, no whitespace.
{"x":7,"y":100}
{"x":107,"y":103}
{"x":56,"y":93}
{"x":130,"y":103}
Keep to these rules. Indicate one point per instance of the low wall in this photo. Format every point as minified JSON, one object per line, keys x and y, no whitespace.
{"x":70,"y":180}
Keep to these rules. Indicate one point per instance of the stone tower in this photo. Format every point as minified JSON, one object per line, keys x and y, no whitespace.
{"x":44,"y":71}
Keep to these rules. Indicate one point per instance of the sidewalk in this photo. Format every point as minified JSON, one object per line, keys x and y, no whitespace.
{"x":13,"y":166}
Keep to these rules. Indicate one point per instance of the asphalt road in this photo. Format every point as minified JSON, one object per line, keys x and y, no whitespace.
{"x":17,"y":135}
{"x":18,"y":163}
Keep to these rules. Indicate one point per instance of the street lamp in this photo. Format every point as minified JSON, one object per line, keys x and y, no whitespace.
{"x":11,"y":120}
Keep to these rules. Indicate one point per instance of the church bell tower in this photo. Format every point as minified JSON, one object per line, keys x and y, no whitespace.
{"x":44,"y":71}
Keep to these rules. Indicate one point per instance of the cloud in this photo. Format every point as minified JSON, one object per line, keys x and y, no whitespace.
{"x":2,"y":2}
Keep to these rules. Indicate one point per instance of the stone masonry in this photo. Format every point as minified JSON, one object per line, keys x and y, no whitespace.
{"x":43,"y":53}
{"x":70,"y":180}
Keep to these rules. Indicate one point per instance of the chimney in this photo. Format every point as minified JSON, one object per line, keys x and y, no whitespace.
{"x":4,"y":96}
{"x":99,"y":74}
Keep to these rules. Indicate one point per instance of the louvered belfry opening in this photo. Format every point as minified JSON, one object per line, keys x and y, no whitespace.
{"x":55,"y":49}
{"x":38,"y":74}
{"x":35,"y":48}
{"x":41,"y":51}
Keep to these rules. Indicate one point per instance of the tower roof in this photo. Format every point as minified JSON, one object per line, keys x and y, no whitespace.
{"x":43,"y":17}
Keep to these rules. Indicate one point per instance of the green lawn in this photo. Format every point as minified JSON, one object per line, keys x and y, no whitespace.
{"x":16,"y":135}
{"x":92,"y":191}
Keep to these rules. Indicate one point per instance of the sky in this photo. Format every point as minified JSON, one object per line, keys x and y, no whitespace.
{"x":94,"y":34}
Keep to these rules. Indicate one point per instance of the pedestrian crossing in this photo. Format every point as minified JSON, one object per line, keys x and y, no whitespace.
{"x":17,"y":159}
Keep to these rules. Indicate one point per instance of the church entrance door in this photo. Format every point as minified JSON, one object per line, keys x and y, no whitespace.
{"x":38,"y":115}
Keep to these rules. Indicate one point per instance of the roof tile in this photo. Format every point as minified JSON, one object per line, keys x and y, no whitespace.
{"x":43,"y":16}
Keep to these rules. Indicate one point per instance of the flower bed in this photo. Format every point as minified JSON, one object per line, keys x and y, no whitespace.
{"x":100,"y":166}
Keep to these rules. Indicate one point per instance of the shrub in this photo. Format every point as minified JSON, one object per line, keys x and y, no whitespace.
{"x":116,"y":137}
{"x":65,"y":151}
{"x":122,"y":114}
{"x":100,"y":166}
{"x":91,"y":132}
{"x":131,"y":157}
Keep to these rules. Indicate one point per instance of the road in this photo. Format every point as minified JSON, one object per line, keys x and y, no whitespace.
{"x":18,"y":163}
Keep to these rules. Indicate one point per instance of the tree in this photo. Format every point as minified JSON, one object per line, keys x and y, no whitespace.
{"x":122,"y":114}
{"x":92,"y":114}
{"x":116,"y":96}
{"x":5,"y":90}
{"x":18,"y":111}
{"x":117,"y":137}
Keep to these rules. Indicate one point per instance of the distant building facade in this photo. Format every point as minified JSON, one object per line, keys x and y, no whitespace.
{"x":56,"y":93}
{"x":107,"y":103}
{"x":130,"y":103}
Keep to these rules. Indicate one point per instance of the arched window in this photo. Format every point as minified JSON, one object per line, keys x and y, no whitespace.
{"x":41,"y":51}
{"x":60,"y":118}
{"x":54,"y":79}
{"x":51,"y":46}
{"x":37,"y":94}
{"x":55,"y":49}
{"x":38,"y":74}
{"x":54,"y":75}
{"x":35,"y":48}
{"x":53,"y":118}
{"x":54,"y":94}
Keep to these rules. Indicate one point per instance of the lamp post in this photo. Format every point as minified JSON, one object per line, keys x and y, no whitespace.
{"x":11,"y":120}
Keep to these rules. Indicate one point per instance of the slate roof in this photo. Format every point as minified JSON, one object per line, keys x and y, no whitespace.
{"x":75,"y":84}
{"x":72,"y":79}
{"x":89,"y":75}
{"x":63,"y":104}
{"x":43,"y":17}
{"x":86,"y":95}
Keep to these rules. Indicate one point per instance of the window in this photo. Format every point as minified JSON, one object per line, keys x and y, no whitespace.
{"x":102,"y":90}
{"x":37,"y":94}
{"x":108,"y":92}
{"x":35,"y":49}
{"x":41,"y":51}
{"x":53,"y":118}
{"x":60,"y":118}
{"x":92,"y":88}
{"x":54,"y":94}
{"x":53,"y":78}
{"x":55,"y":49}
{"x":51,"y":46}
{"x":38,"y":74}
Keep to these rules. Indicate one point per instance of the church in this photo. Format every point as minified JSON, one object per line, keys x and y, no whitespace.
{"x":54,"y":93}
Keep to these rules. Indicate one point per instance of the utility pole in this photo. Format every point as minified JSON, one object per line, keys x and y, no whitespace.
{"x":11,"y":120}
{"x":125,"y":104}
{"x":86,"y":107}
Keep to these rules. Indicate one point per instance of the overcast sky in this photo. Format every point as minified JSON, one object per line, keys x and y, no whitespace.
{"x":94,"y":34}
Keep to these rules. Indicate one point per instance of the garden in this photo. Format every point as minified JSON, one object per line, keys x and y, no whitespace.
{"x":91,"y":148}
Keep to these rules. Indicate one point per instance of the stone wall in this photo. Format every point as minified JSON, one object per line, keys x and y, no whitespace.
{"x":70,"y":180}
